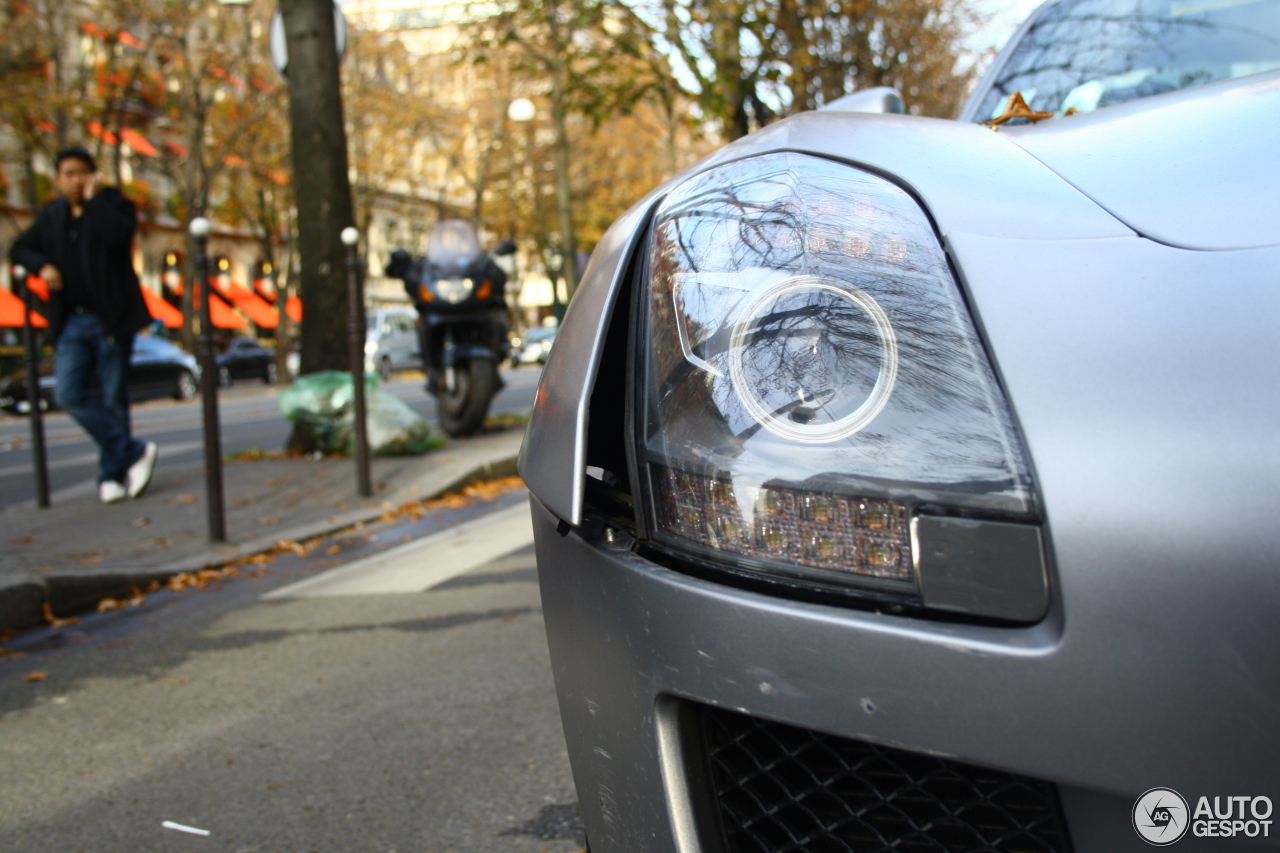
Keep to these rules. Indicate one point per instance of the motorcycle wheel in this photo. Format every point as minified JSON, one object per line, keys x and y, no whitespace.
{"x":463,"y":410}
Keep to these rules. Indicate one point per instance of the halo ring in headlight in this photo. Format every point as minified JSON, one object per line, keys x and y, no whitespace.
{"x":785,"y":421}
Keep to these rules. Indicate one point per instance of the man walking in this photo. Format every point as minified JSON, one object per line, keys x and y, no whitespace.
{"x":81,"y":244}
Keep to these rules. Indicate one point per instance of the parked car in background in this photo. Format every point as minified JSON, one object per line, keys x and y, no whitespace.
{"x":157,"y":368}
{"x":245,"y":358}
{"x":392,"y":342}
{"x":910,"y":484}
{"x":535,"y":346}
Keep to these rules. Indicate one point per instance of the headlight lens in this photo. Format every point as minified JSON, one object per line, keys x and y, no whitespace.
{"x":811,"y":374}
{"x":453,"y":290}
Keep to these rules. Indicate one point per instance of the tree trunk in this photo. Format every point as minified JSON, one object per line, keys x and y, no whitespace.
{"x":726,"y":24}
{"x":564,"y":204}
{"x":321,"y":182}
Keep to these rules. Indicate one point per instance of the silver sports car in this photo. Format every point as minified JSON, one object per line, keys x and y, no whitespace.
{"x":912,"y":485}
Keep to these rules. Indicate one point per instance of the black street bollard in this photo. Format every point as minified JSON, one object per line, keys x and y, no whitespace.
{"x":355,"y":341}
{"x":32,"y":354}
{"x":209,"y":386}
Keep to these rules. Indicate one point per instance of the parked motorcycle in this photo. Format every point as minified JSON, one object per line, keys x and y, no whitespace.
{"x":458,"y":291}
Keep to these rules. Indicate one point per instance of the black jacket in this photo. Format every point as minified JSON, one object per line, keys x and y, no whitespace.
{"x":109,"y":220}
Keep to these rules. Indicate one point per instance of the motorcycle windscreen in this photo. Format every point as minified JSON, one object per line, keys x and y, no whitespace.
{"x":453,"y":247}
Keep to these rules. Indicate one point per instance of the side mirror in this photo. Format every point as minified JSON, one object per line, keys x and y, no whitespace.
{"x":881,"y":99}
{"x":400,"y":264}
{"x":506,"y":247}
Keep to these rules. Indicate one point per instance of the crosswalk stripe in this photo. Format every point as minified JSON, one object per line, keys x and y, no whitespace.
{"x":419,"y":565}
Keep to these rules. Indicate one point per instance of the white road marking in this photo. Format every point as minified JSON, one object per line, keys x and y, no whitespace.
{"x":92,"y":458}
{"x":417,"y":566}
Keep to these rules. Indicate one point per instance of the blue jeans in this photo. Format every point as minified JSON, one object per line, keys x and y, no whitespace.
{"x":85,"y":354}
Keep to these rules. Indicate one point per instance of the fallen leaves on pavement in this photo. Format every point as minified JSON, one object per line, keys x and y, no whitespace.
{"x":182,"y":499}
{"x":255,"y":454}
{"x":290,"y":545}
{"x":35,"y":675}
{"x":483,"y":492}
{"x":200,"y":579}
{"x":54,"y":621}
{"x":137,"y":598}
{"x":23,"y":540}
{"x":498,"y":423}
{"x":254,"y":559}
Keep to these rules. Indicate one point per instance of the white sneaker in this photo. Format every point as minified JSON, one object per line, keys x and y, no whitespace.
{"x":110,"y":492}
{"x":139,"y":476}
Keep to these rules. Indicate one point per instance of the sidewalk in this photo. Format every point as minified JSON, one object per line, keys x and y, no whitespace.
{"x":79,"y":551}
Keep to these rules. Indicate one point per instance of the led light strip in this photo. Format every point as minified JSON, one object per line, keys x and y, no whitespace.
{"x":843,"y":533}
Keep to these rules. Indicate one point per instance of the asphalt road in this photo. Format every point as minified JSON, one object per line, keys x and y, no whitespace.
{"x":342,"y":720}
{"x":249,"y":418}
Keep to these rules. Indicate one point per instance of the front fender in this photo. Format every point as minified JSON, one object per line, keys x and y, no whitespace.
{"x":456,"y":354}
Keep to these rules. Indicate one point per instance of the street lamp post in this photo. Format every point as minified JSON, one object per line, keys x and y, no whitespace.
{"x":355,"y":342}
{"x":209,"y":385}
{"x":38,"y":456}
{"x":523,"y":111}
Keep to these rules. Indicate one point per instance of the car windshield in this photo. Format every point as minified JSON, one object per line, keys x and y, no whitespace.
{"x":1084,"y":54}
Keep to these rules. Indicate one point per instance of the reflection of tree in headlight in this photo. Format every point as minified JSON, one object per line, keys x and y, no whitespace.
{"x":804,"y":320}
{"x":814,"y":357}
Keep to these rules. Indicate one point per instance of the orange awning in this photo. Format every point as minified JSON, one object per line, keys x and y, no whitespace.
{"x":38,"y":287}
{"x":221,"y":314}
{"x":294,"y":309}
{"x":11,"y":312}
{"x":224,"y":316}
{"x":253,"y":305}
{"x":34,"y":282}
{"x":161,"y":310}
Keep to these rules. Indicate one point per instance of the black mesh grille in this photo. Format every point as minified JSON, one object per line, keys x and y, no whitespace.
{"x":783,"y":789}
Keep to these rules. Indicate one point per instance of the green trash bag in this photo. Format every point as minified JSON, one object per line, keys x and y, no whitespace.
{"x":322,"y":406}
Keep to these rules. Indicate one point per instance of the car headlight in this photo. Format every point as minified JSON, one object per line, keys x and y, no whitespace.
{"x":812,"y":381}
{"x":453,"y":290}
{"x":370,"y":347}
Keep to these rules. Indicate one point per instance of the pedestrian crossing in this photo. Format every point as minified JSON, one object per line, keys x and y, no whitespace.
{"x":424,"y":563}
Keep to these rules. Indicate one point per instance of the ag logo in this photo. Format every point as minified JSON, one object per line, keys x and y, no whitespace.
{"x":1160,"y":816}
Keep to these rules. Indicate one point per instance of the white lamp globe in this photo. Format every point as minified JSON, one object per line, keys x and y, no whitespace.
{"x":521,"y":109}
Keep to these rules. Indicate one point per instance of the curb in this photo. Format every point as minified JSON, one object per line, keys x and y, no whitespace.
{"x":22,"y":601}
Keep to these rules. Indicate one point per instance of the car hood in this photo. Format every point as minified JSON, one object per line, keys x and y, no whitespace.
{"x":1195,"y":169}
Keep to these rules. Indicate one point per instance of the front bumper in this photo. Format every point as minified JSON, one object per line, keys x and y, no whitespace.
{"x":632,"y":642}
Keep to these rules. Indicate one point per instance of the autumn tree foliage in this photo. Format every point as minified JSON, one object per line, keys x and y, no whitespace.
{"x":632,"y":90}
{"x":627,"y":93}
{"x":748,"y":62}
